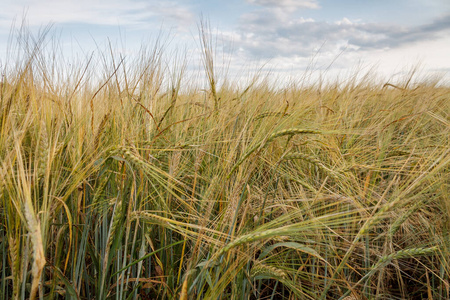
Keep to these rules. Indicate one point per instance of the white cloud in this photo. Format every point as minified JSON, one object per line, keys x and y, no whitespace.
{"x":290,"y":5}
{"x":98,"y":12}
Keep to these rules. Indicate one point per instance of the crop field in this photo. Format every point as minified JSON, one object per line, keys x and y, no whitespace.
{"x":124,"y":180}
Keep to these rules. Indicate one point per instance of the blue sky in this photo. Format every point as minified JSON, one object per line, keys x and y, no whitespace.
{"x":284,"y":35}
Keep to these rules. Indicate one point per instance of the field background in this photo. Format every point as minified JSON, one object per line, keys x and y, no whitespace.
{"x":121,"y":180}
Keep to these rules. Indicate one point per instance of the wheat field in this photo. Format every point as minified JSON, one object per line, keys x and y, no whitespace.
{"x":133,"y":183}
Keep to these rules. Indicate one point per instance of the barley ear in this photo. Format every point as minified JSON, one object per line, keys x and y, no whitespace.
{"x":314,"y":161}
{"x":14,"y":252}
{"x":184,"y":290}
{"x":260,"y":269}
{"x":262,"y":144}
{"x":34,"y":230}
{"x":115,"y":222}
{"x":385,"y":260}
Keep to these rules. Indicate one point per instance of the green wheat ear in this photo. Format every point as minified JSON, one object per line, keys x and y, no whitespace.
{"x":266,"y":270}
{"x":385,"y":260}
{"x":314,"y":161}
{"x":262,"y":144}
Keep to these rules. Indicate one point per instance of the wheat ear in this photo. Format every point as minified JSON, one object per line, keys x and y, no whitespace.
{"x":312,"y":160}
{"x":34,"y":230}
{"x":262,"y":144}
{"x":385,"y":260}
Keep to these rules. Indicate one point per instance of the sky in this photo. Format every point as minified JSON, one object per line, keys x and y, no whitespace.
{"x":285,"y":37}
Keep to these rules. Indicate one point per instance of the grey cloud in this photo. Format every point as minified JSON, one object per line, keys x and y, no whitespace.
{"x":267,"y":34}
{"x":382,"y":36}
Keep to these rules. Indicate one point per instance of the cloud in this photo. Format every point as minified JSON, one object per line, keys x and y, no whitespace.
{"x":99,"y":12}
{"x":289,"y":5}
{"x":267,"y":34}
